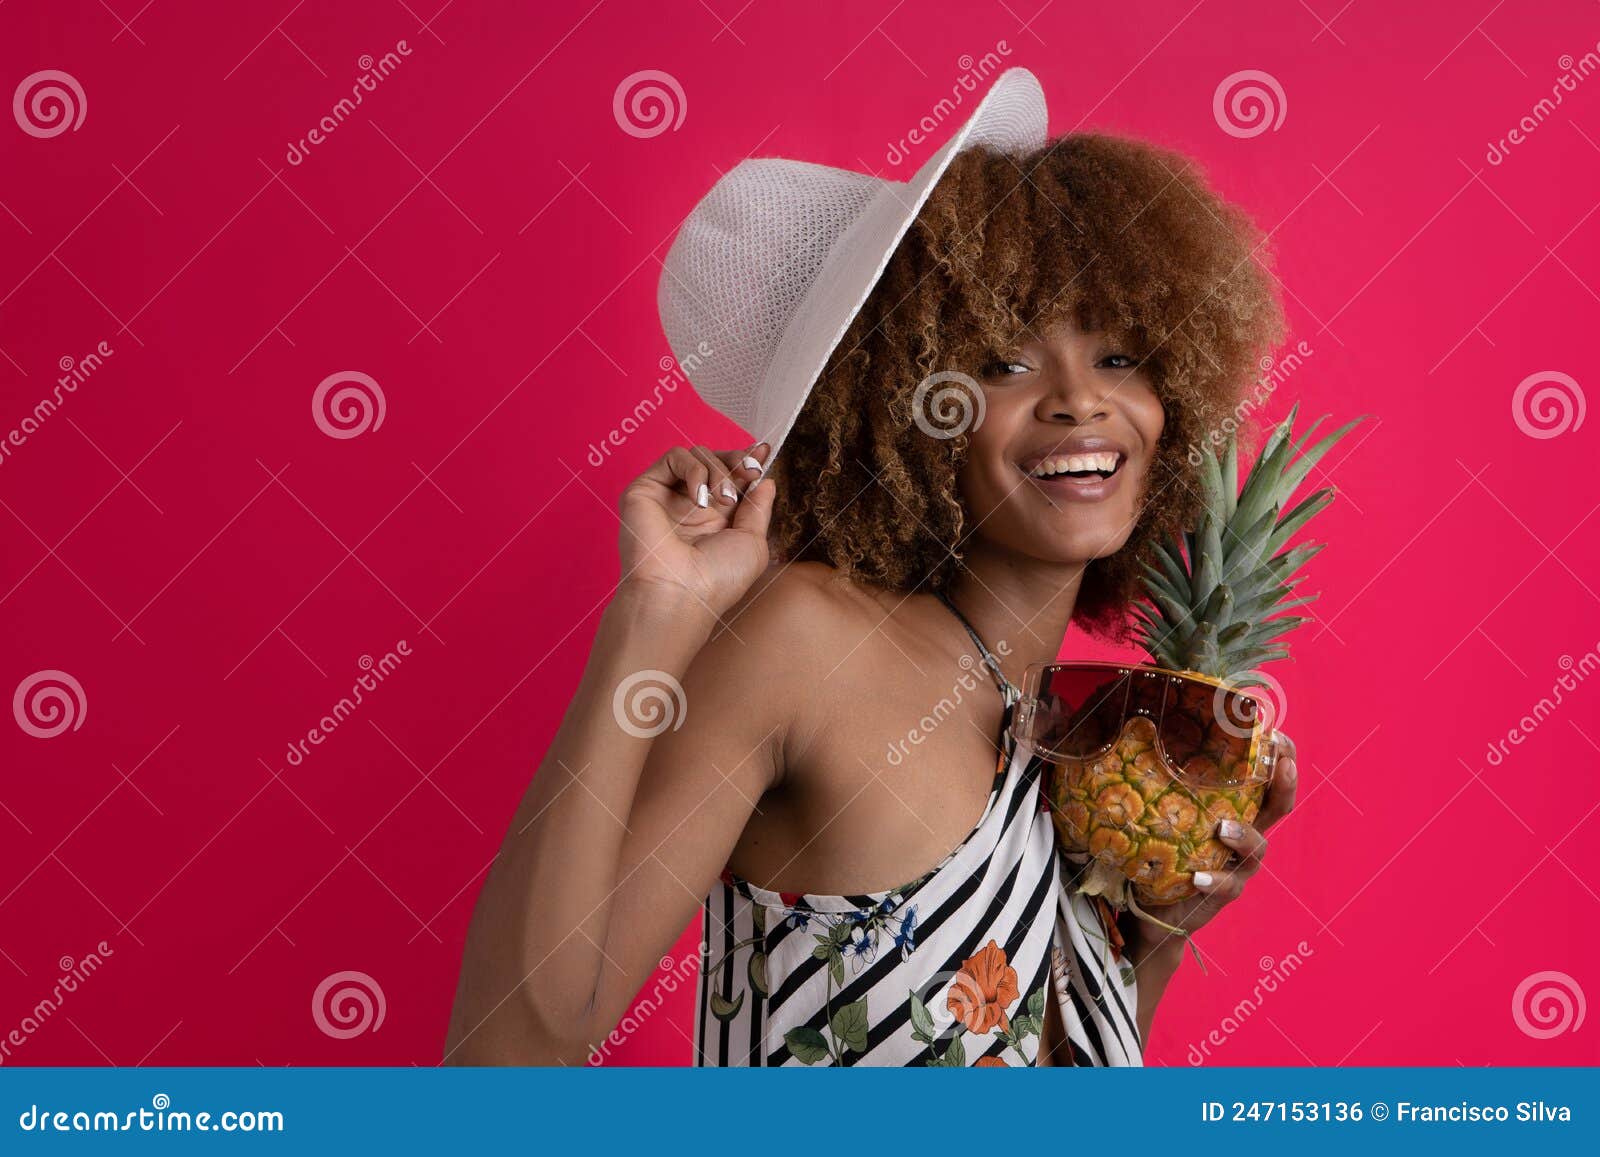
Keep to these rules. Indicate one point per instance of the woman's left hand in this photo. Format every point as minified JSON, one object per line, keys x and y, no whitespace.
{"x":1249,"y":844}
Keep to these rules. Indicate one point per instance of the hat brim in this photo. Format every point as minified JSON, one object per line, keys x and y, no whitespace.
{"x":1010,"y":118}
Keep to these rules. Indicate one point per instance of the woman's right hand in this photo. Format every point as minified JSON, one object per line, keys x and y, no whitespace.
{"x":693,"y":523}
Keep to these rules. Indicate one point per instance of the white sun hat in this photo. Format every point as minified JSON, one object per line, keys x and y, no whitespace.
{"x":768,"y":270}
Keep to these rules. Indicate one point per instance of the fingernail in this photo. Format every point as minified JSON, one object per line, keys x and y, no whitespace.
{"x":1232,"y":829}
{"x":750,"y":463}
{"x":702,"y":497}
{"x":728,"y":492}
{"x":1202,"y":879}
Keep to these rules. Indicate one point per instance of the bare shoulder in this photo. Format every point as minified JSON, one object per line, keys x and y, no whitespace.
{"x":776,"y":656}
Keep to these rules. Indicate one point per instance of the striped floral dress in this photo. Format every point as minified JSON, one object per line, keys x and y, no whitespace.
{"x":953,"y":968}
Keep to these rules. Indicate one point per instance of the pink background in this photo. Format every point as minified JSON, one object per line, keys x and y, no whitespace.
{"x":483,"y":239}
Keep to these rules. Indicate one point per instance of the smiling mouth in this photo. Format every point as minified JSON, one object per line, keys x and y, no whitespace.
{"x":1091,"y":467}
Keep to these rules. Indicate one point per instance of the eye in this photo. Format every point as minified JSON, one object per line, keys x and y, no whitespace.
{"x":1117,"y":362}
{"x":1002,"y":368}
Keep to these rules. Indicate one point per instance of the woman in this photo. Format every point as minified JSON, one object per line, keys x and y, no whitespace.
{"x":838,"y":629}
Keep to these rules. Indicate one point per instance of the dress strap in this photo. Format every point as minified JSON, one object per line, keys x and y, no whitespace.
{"x":1008,"y":691}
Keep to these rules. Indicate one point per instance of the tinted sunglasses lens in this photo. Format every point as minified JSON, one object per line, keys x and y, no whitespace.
{"x":1207,"y":733}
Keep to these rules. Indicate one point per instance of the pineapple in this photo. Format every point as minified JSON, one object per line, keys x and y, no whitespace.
{"x":1143,"y":812}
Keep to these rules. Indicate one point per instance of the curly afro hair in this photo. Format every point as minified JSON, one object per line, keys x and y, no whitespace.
{"x":1113,"y":235}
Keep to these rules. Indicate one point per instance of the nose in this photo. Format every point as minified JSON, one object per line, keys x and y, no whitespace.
{"x":1072,"y":394}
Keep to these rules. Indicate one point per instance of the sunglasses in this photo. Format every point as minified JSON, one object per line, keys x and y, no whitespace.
{"x":1143,"y":763}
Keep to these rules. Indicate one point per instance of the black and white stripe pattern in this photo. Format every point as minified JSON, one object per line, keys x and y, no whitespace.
{"x":762,"y":978}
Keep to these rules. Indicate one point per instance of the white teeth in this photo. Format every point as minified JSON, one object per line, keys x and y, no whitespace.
{"x":1105,"y":462}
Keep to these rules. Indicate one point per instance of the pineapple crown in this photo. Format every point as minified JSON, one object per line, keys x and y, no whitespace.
{"x":1216,"y":586}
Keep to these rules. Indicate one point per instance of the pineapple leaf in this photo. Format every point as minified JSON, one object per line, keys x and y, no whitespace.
{"x":1298,"y":517}
{"x":1219,"y":608}
{"x":1296,"y":474}
{"x":1172,"y":567}
{"x":1217,"y":592}
{"x":1265,"y":632}
{"x":1251,"y":549}
{"x":1176,"y":613}
{"x":1230,"y":476}
{"x":1216,"y":499}
{"x":1155,"y":580}
{"x":1290,"y":561}
{"x":1261,"y":488}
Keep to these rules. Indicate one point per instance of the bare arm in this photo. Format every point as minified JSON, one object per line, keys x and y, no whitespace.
{"x":622,"y":830}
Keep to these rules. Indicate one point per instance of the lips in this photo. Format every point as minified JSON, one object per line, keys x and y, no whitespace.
{"x":1082,"y":469}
